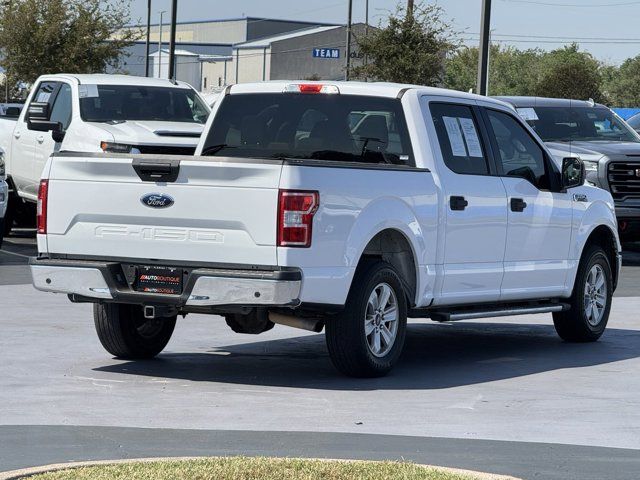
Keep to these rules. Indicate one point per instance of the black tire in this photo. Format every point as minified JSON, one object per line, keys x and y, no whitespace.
{"x":125,"y":333}
{"x":7,"y":223}
{"x":574,"y":325}
{"x":349,"y":347}
{"x":1,"y":231}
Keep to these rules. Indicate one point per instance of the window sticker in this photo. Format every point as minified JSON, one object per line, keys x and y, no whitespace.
{"x":471,"y":137}
{"x":528,"y":114}
{"x":88,"y":91}
{"x":43,"y":97}
{"x":455,"y":136}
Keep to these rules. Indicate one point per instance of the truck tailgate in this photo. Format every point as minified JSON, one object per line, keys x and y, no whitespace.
{"x":223,"y":210}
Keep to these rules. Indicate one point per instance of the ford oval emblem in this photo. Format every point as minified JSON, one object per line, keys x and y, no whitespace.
{"x":157,"y":200}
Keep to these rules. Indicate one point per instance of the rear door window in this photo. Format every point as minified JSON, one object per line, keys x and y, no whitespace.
{"x":348,"y":128}
{"x":459,"y":138}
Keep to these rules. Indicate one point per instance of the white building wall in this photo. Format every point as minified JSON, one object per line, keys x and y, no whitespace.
{"x":251,"y":64}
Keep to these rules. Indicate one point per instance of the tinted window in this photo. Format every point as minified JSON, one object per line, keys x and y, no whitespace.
{"x":459,"y":138}
{"x":324,"y":127}
{"x":108,"y":103}
{"x":61,"y":111}
{"x":519,"y":155}
{"x":45,"y":92}
{"x":566,"y":124}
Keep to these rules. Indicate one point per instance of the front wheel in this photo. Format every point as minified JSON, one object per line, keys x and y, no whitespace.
{"x":367,"y":338}
{"x":125,"y":333}
{"x":590,"y":302}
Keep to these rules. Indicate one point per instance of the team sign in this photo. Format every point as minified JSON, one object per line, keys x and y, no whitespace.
{"x":326,"y":53}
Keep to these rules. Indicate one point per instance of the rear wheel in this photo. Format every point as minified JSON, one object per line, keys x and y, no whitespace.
{"x":367,"y":338}
{"x":125,"y":333}
{"x":591,"y":299}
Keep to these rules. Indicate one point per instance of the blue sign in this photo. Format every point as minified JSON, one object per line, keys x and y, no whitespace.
{"x":326,"y":53}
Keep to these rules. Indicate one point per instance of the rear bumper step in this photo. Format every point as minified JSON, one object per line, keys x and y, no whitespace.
{"x":104,"y":281}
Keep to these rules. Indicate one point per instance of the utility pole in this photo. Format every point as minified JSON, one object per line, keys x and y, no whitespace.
{"x":483,"y":53}
{"x":160,"y":46}
{"x":146,"y":58}
{"x":172,"y":41}
{"x":409,"y":8}
{"x":366,"y":18}
{"x":348,"y":49}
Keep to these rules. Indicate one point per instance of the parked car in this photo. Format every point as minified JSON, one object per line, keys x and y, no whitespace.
{"x":10,"y":110}
{"x":96,"y":113}
{"x":4,"y":195}
{"x":634,"y":122}
{"x":287,"y":215}
{"x":609,"y":149}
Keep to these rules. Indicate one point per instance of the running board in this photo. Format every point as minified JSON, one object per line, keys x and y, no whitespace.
{"x":452,"y":316}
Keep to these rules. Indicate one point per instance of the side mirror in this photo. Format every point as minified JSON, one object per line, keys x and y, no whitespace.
{"x":38,"y":117}
{"x":573,"y":173}
{"x":58,"y":133}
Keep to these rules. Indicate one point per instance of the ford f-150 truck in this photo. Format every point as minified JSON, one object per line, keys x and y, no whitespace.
{"x":348,"y":206}
{"x":609,"y":149}
{"x":96,"y":113}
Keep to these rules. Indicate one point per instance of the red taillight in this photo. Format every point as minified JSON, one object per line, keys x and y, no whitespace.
{"x":295,"y":217}
{"x":43,"y":193}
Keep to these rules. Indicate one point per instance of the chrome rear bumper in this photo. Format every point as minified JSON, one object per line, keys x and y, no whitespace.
{"x":104,"y":281}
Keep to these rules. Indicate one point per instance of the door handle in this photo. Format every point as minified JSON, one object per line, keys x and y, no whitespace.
{"x":16,"y":135}
{"x":518,"y":205}
{"x":458,"y":203}
{"x":40,"y":138}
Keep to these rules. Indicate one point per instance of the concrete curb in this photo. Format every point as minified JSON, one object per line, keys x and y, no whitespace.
{"x":29,"y":472}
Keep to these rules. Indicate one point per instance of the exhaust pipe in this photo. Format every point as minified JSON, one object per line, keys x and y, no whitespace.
{"x":310,"y":324}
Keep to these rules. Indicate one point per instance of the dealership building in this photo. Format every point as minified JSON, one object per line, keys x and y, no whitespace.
{"x":212,"y":54}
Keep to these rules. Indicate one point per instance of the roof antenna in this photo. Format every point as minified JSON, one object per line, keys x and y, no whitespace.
{"x":591,"y":102}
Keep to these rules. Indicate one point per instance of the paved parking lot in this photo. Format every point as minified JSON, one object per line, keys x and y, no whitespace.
{"x":501,"y":395}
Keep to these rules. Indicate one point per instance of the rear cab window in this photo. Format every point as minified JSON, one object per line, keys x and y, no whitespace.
{"x":343,"y":128}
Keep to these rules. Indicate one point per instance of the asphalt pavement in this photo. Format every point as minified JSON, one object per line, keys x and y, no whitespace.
{"x":500,"y":395}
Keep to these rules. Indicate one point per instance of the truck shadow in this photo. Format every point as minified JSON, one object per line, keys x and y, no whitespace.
{"x":436,"y":356}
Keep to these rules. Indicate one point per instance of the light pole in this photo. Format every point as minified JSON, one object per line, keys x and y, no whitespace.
{"x":483,"y":53}
{"x":348,"y":49}
{"x":146,"y":58}
{"x":160,"y":46}
{"x":172,"y":41}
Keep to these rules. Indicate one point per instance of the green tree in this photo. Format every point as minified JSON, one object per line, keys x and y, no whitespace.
{"x":622,"y":84}
{"x":72,"y":36}
{"x":511,"y":71}
{"x":569,"y":73}
{"x":410,"y":48}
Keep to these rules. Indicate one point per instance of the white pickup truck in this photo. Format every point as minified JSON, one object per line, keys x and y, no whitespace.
{"x":348,"y":206}
{"x":96,"y":113}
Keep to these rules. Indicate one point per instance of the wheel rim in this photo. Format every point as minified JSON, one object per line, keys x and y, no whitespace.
{"x":381,"y":320}
{"x":595,"y":295}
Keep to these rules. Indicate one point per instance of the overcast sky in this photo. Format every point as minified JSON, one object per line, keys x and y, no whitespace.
{"x":606,"y":28}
